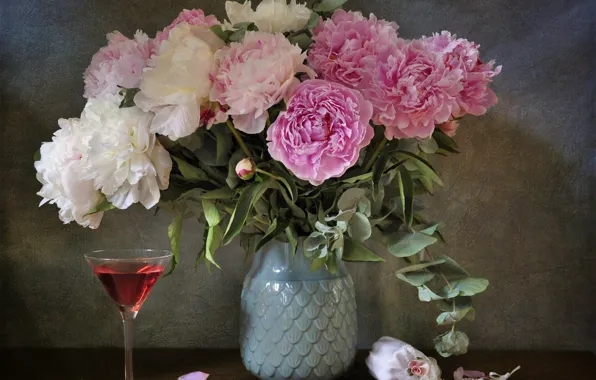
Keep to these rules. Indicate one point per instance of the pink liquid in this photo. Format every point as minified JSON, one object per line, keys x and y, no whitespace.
{"x":128,"y":284}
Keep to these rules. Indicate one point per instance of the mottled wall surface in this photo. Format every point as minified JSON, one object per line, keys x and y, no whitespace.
{"x":517,"y":208}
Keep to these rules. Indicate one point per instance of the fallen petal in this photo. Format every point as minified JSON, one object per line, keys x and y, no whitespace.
{"x":194,"y":376}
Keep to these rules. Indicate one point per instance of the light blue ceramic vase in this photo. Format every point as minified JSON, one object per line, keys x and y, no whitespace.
{"x":296,"y":323}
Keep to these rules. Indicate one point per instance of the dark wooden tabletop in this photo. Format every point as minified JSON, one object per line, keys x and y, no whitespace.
{"x":169,"y":364}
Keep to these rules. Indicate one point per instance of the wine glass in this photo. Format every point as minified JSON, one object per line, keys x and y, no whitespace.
{"x":128,"y":276}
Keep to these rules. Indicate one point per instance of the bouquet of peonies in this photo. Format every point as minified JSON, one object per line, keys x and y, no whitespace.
{"x":311,"y":126}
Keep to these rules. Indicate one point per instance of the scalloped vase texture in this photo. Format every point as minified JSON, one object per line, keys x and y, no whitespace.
{"x":296,"y":323}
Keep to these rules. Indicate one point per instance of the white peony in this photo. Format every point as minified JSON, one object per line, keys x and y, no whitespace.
{"x":125,"y":161}
{"x":60,"y":172}
{"x":393,"y":359}
{"x":271,"y":16}
{"x":177,"y":83}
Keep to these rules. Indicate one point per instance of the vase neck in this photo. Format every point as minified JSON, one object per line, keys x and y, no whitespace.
{"x":276,"y":262}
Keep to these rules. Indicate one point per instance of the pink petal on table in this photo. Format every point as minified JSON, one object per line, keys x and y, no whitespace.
{"x":194,"y":376}
{"x":474,"y":374}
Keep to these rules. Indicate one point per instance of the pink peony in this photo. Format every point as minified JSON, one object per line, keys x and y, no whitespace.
{"x":255,"y":74}
{"x":120,"y":63}
{"x":411,"y":90}
{"x":449,"y":127}
{"x":458,"y":53}
{"x":343,"y":42}
{"x":321,"y":133}
{"x":194,"y":17}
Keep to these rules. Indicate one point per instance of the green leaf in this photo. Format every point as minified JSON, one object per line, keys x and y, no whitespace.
{"x":222,"y":34}
{"x":409,"y":145}
{"x":292,"y":238}
{"x":37,"y":155}
{"x":317,"y":263}
{"x":457,"y":303}
{"x":242,"y":25}
{"x":211,"y":213}
{"x":452,"y":343}
{"x":303,"y":40}
{"x":314,"y":241}
{"x":275,"y":228}
{"x":359,"y":227}
{"x":241,"y":211}
{"x":313,"y":21}
{"x":174,"y":233}
{"x":405,"y":244}
{"x":354,"y":179}
{"x":421,"y":164}
{"x":191,"y":142}
{"x":451,"y":317}
{"x":427,"y":295}
{"x":450,"y":269}
{"x":430,"y":230}
{"x":214,"y":237}
{"x":445,"y":142}
{"x":377,"y":173}
{"x":406,"y":193}
{"x":354,"y":251}
{"x":297,"y":211}
{"x":190,"y":172}
{"x":105,"y":205}
{"x":289,"y":184}
{"x":416,"y":278}
{"x":428,"y":145}
{"x":224,"y":144}
{"x":469,"y":286}
{"x":237,"y":35}
{"x":222,"y":193}
{"x":328,"y":5}
{"x":419,"y":266}
{"x":363,"y":206}
{"x":247,"y":242}
{"x":232,"y":179}
{"x":128,"y":99}
{"x":349,"y":198}
{"x":342,"y":215}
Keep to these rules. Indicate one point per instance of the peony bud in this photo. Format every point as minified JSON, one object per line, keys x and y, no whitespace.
{"x":245,"y":169}
{"x":449,"y":127}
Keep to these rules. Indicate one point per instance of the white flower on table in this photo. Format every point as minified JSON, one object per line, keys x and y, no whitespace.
{"x":176,"y":84}
{"x":270,"y":16}
{"x":392,"y":359}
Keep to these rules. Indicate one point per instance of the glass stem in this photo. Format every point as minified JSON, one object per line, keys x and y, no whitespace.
{"x":128,"y":318}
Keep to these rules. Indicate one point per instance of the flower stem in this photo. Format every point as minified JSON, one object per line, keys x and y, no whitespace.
{"x":268,"y":174}
{"x":238,"y":138}
{"x":375,"y":154}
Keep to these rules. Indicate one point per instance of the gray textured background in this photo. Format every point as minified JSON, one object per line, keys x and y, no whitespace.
{"x":518,"y":206}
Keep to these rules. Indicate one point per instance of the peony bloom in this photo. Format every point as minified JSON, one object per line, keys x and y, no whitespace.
{"x":271,"y":16}
{"x":321,"y":133}
{"x":411,"y":90}
{"x":120,"y":63}
{"x":343,"y":43}
{"x":195,"y":17}
{"x":60,"y":172}
{"x":124,"y":161}
{"x":245,"y":169}
{"x":461,"y":54}
{"x":176,"y":84}
{"x":449,"y":127}
{"x":255,"y":74}
{"x":392,"y":359}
